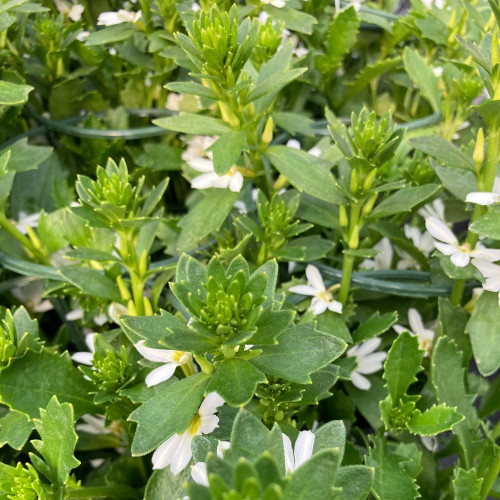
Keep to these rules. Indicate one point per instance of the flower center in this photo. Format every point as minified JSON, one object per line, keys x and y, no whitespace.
{"x":234,"y":170}
{"x":180,"y":357}
{"x":325,"y":295}
{"x":194,"y":425}
{"x":465,"y":248}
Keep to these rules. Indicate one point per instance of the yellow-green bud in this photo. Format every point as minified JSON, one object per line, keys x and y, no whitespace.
{"x":368,"y":206}
{"x":494,"y":50}
{"x":267,"y":135}
{"x":478,"y":155}
{"x":143,"y":263}
{"x":131,"y":308}
{"x":354,"y":182}
{"x":369,"y":179}
{"x":354,"y":238}
{"x":343,"y":221}
{"x":148,"y":309}
{"x":124,"y":292}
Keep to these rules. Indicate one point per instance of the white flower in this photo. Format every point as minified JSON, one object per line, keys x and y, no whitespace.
{"x":74,"y":315}
{"x":368,"y":362}
{"x":176,"y":450}
{"x":74,"y":12}
{"x":355,"y":3}
{"x":199,"y":469}
{"x":275,"y":3}
{"x":302,"y":452}
{"x":122,"y":16}
{"x":438,"y":71}
{"x":27,"y":220}
{"x":425,"y":335}
{"x":491,"y":273}
{"x":423,"y":241}
{"x":115,"y":311}
{"x":170,"y":359}
{"x":431,"y":443}
{"x":316,"y":288}
{"x":202,"y":161}
{"x":448,"y":244}
{"x":174,"y":101}
{"x":93,"y":424}
{"x":83,"y":357}
{"x":434,"y":209}
{"x":482,"y":198}
{"x":31,"y":296}
{"x":82,"y":36}
{"x":293,"y":143}
{"x":383,"y":260}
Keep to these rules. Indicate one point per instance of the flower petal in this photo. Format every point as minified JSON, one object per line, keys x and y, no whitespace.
{"x":183,"y":454}
{"x":365,"y":348}
{"x":415,"y":321}
{"x":440,"y":230}
{"x":199,"y":473}
{"x":303,"y":447}
{"x":371,"y":363}
{"x":303,"y":290}
{"x":460,"y":259}
{"x":84,"y":358}
{"x":318,"y":306}
{"x":360,"y":382}
{"x":236,"y":182}
{"x":335,"y":306}
{"x":314,"y":278}
{"x":489,"y":254}
{"x":161,"y":374}
{"x":289,"y":458}
{"x":208,"y":424}
{"x":210,"y":404}
{"x":158,"y":355}
{"x":446,"y":249}
{"x":480,"y":198}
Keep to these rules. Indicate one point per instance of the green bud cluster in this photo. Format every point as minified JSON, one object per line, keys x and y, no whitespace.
{"x":8,"y":339}
{"x":26,"y":485}
{"x":270,"y":38}
{"x":49,"y":30}
{"x":218,"y":45}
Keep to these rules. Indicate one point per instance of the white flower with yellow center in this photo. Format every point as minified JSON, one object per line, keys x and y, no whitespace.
{"x":302,"y":452}
{"x":170,"y":359}
{"x":199,"y":469}
{"x":122,"y":16}
{"x":448,"y":244}
{"x":368,"y":362}
{"x":425,"y":335}
{"x":315,"y":287}
{"x":176,"y":450}
{"x":201,"y":160}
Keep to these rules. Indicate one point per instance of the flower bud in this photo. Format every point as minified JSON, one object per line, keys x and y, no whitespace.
{"x":267,"y":135}
{"x":343,"y":221}
{"x":124,"y":292}
{"x":478,"y":155}
{"x":354,"y":238}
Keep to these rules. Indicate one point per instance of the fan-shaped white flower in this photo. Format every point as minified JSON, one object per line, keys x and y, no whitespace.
{"x":422,"y":241}
{"x":122,"y":16}
{"x":302,"y":452}
{"x":368,"y":362}
{"x":176,"y":450}
{"x":27,"y":220}
{"x":491,"y":273}
{"x":434,"y":209}
{"x":316,"y":288}
{"x":425,"y":335}
{"x":199,"y":469}
{"x":383,"y":260}
{"x":30,"y":295}
{"x":448,"y":244}
{"x":202,"y":161}
{"x":93,"y":424}
{"x":170,"y":359}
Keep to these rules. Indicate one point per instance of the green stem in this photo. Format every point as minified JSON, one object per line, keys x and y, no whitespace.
{"x":490,"y":478}
{"x":485,"y":183}
{"x":347,"y":266}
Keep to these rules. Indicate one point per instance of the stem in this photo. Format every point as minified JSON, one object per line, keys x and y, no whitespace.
{"x":485,"y":183}
{"x":114,"y":491}
{"x":490,"y":478}
{"x":347,"y":266}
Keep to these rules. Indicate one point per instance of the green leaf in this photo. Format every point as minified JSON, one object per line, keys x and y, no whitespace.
{"x":452,"y":320}
{"x":434,"y":420}
{"x":12,"y":94}
{"x":25,"y":157}
{"x":294,"y":123}
{"x":91,"y":282}
{"x":294,"y":19}
{"x":466,"y":485}
{"x":458,"y":182}
{"x":305,"y":173}
{"x":166,"y":331}
{"x":10,"y":5}
{"x":488,"y":225}
{"x":331,"y":435}
{"x":448,"y":379}
{"x":112,"y":34}
{"x":191,"y":123}
{"x":305,"y":248}
{"x":341,"y":36}
{"x":375,"y":325}
{"x":192,"y":88}
{"x":204,"y":218}
{"x":227,"y":149}
{"x":404,"y":200}
{"x":29,"y":382}
{"x":475,"y":51}
{"x":91,"y":254}
{"x":275,"y":82}
{"x":355,"y":481}
{"x":250,"y":438}
{"x":301,"y":350}
{"x":391,"y":481}
{"x":423,"y":77}
{"x":235,"y":380}
{"x":315,"y":478}
{"x":162,"y":484}
{"x":484,"y":331}
{"x":169,"y":412}
{"x":15,"y":429}
{"x":444,"y":151}
{"x":402,"y":365}
{"x":58,"y":441}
